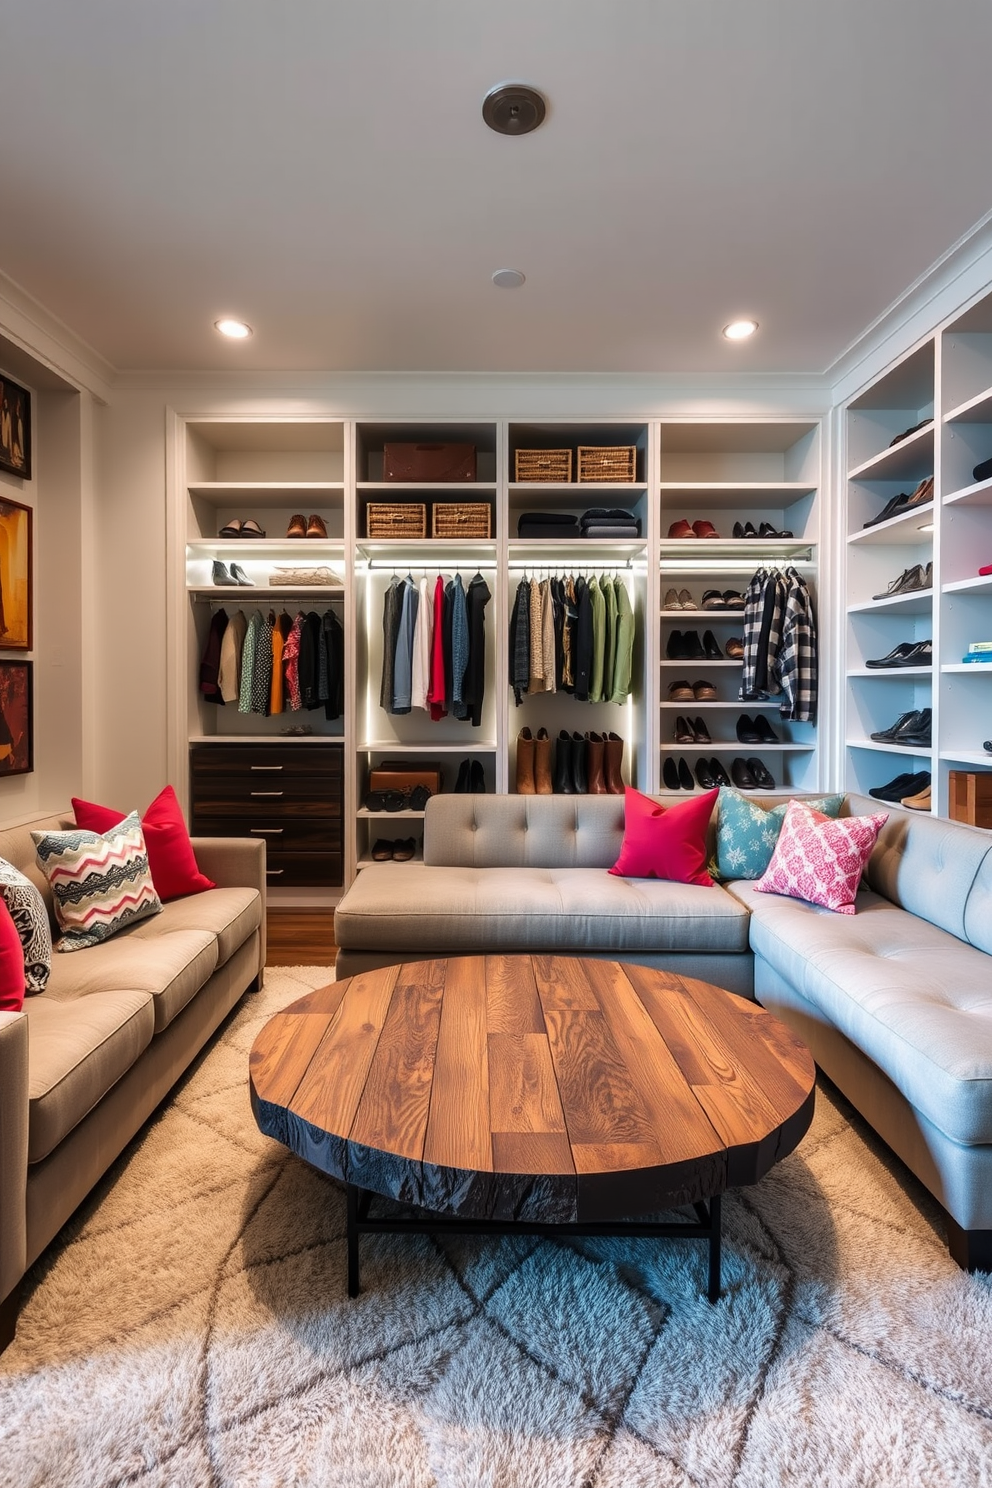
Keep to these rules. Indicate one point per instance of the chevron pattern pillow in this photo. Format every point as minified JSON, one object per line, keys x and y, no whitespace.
{"x":100,"y":881}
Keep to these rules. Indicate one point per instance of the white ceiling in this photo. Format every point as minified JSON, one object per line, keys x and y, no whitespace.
{"x":321,"y":169}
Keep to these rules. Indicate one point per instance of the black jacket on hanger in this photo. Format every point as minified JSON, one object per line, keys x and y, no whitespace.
{"x":583,"y":641}
{"x":334,"y":640}
{"x":210,"y":663}
{"x":474,"y":681}
{"x":520,"y":642}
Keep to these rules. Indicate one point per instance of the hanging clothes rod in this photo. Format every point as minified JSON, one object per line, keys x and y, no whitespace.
{"x":384,"y":565}
{"x":591,"y":565}
{"x":268,"y":600}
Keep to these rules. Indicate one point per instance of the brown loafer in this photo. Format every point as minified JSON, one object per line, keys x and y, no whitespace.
{"x":735,"y":648}
{"x":681,"y":692}
{"x":703,"y":691}
{"x":297,"y":525}
{"x":316,"y":527}
{"x":703,"y":528}
{"x":680,"y":529}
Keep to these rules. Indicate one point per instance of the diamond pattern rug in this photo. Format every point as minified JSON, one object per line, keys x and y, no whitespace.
{"x":191,"y":1327}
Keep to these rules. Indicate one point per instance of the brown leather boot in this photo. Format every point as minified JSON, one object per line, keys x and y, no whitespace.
{"x":525,"y":763}
{"x":613,"y":757}
{"x":597,"y":782}
{"x":542,"y":763}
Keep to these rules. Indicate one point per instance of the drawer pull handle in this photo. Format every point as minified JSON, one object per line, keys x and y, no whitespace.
{"x":266,"y":767}
{"x":266,"y":831}
{"x":275,"y":871}
{"x":268,"y":793}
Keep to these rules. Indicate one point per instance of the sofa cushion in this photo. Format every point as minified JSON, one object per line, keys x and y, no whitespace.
{"x":746,"y":833}
{"x":169,"y":971}
{"x":100,"y":881}
{"x":821,"y":860}
{"x":171,"y":859}
{"x":77,"y":1050}
{"x":924,"y":864}
{"x":915,"y":999}
{"x":978,"y":907}
{"x":11,"y":964}
{"x":476,"y":831}
{"x":232,"y":915}
{"x":666,"y":842}
{"x":444,"y":910}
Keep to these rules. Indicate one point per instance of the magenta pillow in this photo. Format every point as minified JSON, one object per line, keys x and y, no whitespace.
{"x":820,"y":859}
{"x":665,"y":841}
{"x":171,"y":860}
{"x":11,"y":964}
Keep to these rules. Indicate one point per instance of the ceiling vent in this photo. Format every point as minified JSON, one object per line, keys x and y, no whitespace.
{"x":513,"y":108}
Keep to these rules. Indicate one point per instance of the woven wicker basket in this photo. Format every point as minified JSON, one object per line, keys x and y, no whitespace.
{"x":461,"y":519}
{"x":607,"y":462}
{"x":396,"y":519}
{"x":543,"y":465}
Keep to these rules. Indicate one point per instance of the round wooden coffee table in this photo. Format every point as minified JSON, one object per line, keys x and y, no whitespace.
{"x":532,"y":1093}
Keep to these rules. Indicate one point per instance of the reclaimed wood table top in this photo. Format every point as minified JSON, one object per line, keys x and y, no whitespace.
{"x":532,"y":1087}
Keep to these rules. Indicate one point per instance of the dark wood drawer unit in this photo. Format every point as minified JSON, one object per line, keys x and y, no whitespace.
{"x":290,"y":795}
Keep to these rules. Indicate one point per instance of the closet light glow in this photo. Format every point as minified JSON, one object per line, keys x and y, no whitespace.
{"x":927,"y":527}
{"x":739,"y":330}
{"x":238,"y":330}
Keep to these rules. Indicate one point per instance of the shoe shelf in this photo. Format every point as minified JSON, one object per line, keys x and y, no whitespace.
{"x":968,"y":668}
{"x":272,"y":493}
{"x":390,"y":746}
{"x":751,"y":497}
{"x":264,"y":591}
{"x":916,"y":602}
{"x":913,"y":671}
{"x":975,"y":410}
{"x":698,"y":663}
{"x":911,"y":459}
{"x":967,"y":757}
{"x":981,"y":584}
{"x":918,"y":751}
{"x":734,"y":746}
{"x":726,"y":614}
{"x":570,"y":493}
{"x":762,"y":550}
{"x":365,"y":861}
{"x":245,"y":547}
{"x":366,"y":814}
{"x":914,"y":526}
{"x":978,"y":494}
{"x":694,"y":705}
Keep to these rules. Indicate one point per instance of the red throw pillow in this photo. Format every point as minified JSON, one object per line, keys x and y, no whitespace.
{"x":11,"y":964}
{"x":665,"y":841}
{"x":170,"y":853}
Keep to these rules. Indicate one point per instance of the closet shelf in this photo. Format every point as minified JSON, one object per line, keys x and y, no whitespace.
{"x":918,"y":752}
{"x":889,"y":672}
{"x":244,"y":547}
{"x":262,"y":591}
{"x":280,"y":494}
{"x":762,"y":551}
{"x":575,"y":490}
{"x":441,"y":490}
{"x":967,"y":757}
{"x":980,"y":584}
{"x":980,"y":494}
{"x":548,"y":551}
{"x":734,"y":495}
{"x":906,"y":528}
{"x":737,"y":615}
{"x":917,"y":602}
{"x":969,"y":668}
{"x":910,"y":457}
{"x":420,"y":551}
{"x":695,"y":705}
{"x":366,"y":814}
{"x":367,"y":862}
{"x":976,"y":410}
{"x":392,"y":746}
{"x":725,"y":746}
{"x":280,"y":738}
{"x":699,"y":663}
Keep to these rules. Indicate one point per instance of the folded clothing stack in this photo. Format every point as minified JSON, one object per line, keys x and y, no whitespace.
{"x":601,"y":521}
{"x":547,"y":524}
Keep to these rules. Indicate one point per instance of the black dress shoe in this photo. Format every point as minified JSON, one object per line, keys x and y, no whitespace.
{"x":404,"y":849}
{"x":701,"y":734}
{"x":890,"y":509}
{"x":692,"y":647}
{"x":911,"y":728}
{"x":766,"y":734}
{"x":746,"y":531}
{"x":741,"y":775}
{"x":711,"y":651}
{"x":763,"y":778}
{"x":920,"y":655}
{"x":703,"y":774}
{"x":987,"y":746}
{"x":720,"y":776}
{"x":674,"y":649}
{"x":670,"y":774}
{"x":747,"y":732}
{"x":685,"y":775}
{"x":894,"y":657}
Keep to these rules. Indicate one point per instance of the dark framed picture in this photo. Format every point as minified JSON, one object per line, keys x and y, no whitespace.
{"x":15,"y":575}
{"x":16,"y":717}
{"x":15,"y":428}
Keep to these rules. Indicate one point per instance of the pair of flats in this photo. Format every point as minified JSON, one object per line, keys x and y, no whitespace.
{"x":910,"y":581}
{"x":755,"y":730}
{"x":751,"y":774}
{"x":414,"y":799}
{"x":766,"y":530}
{"x":300,"y":527}
{"x":700,"y":528}
{"x":902,"y":788}
{"x":691,"y":731}
{"x":399,"y":850}
{"x":679,"y":599}
{"x":224,"y":577}
{"x":687,"y":692}
{"x":903,"y":503}
{"x":246,"y":527}
{"x":709,"y":774}
{"x":686,"y":646}
{"x":729,"y":599}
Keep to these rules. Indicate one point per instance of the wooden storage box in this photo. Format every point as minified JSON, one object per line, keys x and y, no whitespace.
{"x":396,"y":519}
{"x":543,"y":465}
{"x":461,"y":519}
{"x":970,"y":797}
{"x":608,"y":462}
{"x":428,"y":462}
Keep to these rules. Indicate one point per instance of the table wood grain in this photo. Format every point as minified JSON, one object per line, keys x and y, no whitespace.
{"x":532,"y":1088}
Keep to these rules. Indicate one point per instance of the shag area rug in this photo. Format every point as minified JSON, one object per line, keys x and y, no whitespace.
{"x":191,"y":1327}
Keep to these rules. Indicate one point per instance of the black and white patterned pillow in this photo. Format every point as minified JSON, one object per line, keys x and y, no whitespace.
{"x":29,"y":914}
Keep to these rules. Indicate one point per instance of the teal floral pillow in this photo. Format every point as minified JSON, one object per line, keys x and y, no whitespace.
{"x":746,"y":833}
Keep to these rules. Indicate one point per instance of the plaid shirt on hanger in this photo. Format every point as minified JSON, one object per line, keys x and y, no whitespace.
{"x":797,"y":659}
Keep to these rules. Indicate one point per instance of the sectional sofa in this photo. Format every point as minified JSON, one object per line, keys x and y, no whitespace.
{"x":88,"y":1060}
{"x":895,"y":1002}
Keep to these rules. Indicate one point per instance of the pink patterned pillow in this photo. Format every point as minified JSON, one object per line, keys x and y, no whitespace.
{"x":820,"y":859}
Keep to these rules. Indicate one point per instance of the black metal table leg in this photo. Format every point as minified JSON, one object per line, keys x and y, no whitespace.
{"x":713,"y":1291}
{"x":353,"y":1197}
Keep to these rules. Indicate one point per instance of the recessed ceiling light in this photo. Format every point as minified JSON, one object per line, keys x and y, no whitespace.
{"x":739,"y":330}
{"x":238,"y":330}
{"x":509,"y":278}
{"x":514,"y":108}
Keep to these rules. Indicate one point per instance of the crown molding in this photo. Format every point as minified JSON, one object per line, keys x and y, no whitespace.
{"x":942,"y":291}
{"x":50,"y":344}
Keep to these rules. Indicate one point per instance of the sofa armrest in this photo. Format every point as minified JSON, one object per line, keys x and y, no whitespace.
{"x":234,"y":863}
{"x":13,"y":1149}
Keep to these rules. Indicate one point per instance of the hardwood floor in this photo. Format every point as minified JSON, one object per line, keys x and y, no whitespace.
{"x":300,"y":937}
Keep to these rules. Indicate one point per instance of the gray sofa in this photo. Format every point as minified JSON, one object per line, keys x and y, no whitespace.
{"x":895,"y":1002}
{"x":88,"y":1060}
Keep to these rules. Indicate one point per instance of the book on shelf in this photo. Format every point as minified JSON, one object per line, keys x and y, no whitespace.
{"x":980,"y":646}
{"x":978,"y":658}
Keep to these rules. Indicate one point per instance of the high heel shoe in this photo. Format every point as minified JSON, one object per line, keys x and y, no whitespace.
{"x":220,"y":576}
{"x":685,"y":774}
{"x":240,"y":577}
{"x":711,"y":651}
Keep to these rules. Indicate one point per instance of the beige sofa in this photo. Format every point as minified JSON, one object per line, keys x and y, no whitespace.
{"x":89,"y":1059}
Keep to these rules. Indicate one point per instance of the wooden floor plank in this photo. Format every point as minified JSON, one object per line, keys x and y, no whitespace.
{"x":299,"y":936}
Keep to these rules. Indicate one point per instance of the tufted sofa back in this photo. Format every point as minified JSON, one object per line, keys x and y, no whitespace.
{"x":480,"y":831}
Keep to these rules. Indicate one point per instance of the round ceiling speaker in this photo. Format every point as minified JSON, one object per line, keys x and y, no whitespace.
{"x":513,"y":108}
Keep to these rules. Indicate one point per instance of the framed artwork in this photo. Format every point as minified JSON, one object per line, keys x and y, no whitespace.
{"x":15,"y":575}
{"x":15,"y":428}
{"x":16,"y":717}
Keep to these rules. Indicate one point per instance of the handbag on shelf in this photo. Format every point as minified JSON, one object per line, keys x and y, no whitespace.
{"x":400,"y":775}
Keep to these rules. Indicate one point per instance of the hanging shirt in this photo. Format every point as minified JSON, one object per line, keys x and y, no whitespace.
{"x":623,"y":662}
{"x":536,"y":680}
{"x":261,"y":671}
{"x":598,"y":638}
{"x":548,"y":637}
{"x":334,"y":638}
{"x":280,"y":631}
{"x":474,"y":686}
{"x":391,"y":606}
{"x":291,"y":663}
{"x":520,"y":642}
{"x":248,"y":662}
{"x":459,"y":643}
{"x":583,"y":640}
{"x":403,"y":660}
{"x":609,"y":588}
{"x":797,"y":660}
{"x":420,"y":670}
{"x":435,"y":691}
{"x":229,"y":674}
